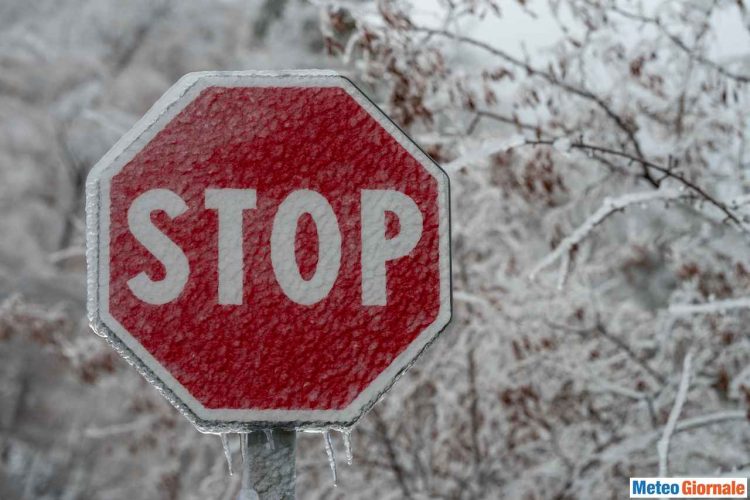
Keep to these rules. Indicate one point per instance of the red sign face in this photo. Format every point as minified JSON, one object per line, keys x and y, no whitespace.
{"x":268,"y":249}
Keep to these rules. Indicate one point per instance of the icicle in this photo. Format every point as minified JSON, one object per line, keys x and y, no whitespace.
{"x":243,"y":447}
{"x":227,"y":452}
{"x":269,"y":439}
{"x":331,"y":456}
{"x":347,"y":435}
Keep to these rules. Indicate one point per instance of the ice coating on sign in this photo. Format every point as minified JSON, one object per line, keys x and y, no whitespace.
{"x":266,"y":349}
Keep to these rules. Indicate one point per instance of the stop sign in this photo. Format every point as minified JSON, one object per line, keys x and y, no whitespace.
{"x":268,"y":249}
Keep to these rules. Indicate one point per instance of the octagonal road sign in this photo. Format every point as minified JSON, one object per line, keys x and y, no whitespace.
{"x":269,"y":250}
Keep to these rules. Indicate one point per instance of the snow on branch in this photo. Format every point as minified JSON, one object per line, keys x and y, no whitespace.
{"x":718,"y":306}
{"x":609,"y":207}
{"x":485,"y":150}
{"x":666,"y":171}
{"x":641,"y":440}
{"x":141,"y":424}
{"x":662,"y":446}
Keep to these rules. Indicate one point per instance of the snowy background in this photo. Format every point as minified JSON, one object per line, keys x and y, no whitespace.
{"x":601,"y":199}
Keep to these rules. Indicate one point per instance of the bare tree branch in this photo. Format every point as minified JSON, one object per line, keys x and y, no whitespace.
{"x":554,"y":80}
{"x":667,"y":171}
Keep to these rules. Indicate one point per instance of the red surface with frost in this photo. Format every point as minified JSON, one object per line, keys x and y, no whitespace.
{"x":269,"y":352}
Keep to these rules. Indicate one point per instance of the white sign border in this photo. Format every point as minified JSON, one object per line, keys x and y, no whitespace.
{"x":97,"y":256}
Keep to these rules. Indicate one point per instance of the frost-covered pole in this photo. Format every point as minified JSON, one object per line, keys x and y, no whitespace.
{"x":268,"y":465}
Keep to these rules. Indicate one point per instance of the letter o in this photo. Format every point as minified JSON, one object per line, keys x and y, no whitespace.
{"x":283,"y":235}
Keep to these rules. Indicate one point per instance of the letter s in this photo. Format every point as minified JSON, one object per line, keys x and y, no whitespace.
{"x":165,"y":250}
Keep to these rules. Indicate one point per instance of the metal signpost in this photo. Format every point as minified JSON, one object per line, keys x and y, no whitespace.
{"x":271,"y":252}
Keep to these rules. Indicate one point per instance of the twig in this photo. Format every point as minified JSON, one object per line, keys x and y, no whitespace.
{"x":640,"y":441}
{"x":630,"y":353}
{"x":662,"y":446}
{"x":689,"y":424}
{"x":475,"y":418}
{"x":710,"y":307}
{"x":115,"y":429}
{"x":552,"y":79}
{"x":510,"y":120}
{"x":667,"y":171}
{"x":600,"y":329}
{"x":395,"y":465}
{"x":609,"y":207}
{"x":486,"y":149}
{"x":682,"y":45}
